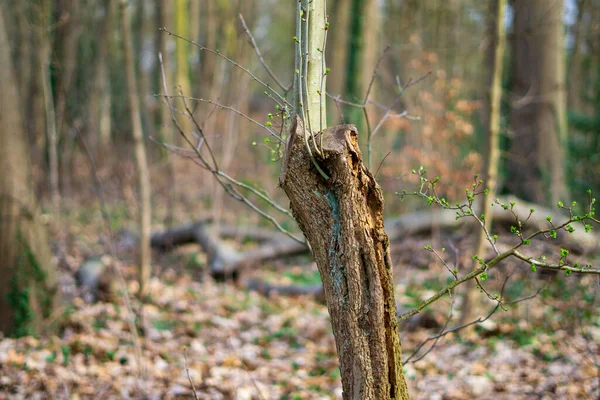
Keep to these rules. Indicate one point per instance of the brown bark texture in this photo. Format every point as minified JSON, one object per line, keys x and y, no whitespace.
{"x":539,"y":116}
{"x":28,"y":279}
{"x":342,"y":218}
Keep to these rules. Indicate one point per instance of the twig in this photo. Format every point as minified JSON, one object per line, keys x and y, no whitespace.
{"x":232,"y":109}
{"x":187,"y":371}
{"x":227,"y":186}
{"x":281,"y":101}
{"x":381,"y":164}
{"x":260,"y":57}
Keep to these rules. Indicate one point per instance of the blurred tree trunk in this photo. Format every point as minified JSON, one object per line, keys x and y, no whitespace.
{"x":495,"y":55}
{"x":195,"y":25}
{"x":146,"y":61}
{"x":539,"y":116}
{"x":164,"y":14}
{"x":362,"y":56}
{"x":341,"y":216}
{"x":210,"y":34}
{"x":28,"y":284}
{"x":143,"y":174}
{"x":182,"y":52}
{"x":35,"y":111}
{"x":68,"y":31}
{"x":338,"y":46}
{"x":236,"y":94}
{"x":23,"y":57}
{"x":574,"y":82}
{"x":100,"y":98}
{"x":49,"y":105}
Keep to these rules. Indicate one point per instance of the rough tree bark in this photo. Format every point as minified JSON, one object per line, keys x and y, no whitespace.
{"x":28,"y":283}
{"x":342,"y":218}
{"x":140,"y":155}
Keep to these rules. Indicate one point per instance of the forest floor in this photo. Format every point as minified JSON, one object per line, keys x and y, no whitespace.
{"x":242,"y":345}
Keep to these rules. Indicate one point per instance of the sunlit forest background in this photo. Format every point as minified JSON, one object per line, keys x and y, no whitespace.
{"x":258,"y":327}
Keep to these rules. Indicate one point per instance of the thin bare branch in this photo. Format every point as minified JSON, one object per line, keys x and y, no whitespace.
{"x":187,"y":372}
{"x":281,"y":102}
{"x":232,"y":109}
{"x":227,"y":186}
{"x":260,"y":57}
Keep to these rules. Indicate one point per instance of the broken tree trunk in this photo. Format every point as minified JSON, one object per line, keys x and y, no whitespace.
{"x":342,"y":218}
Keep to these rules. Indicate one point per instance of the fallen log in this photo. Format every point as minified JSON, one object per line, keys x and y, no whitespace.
{"x":186,"y":234}
{"x":181,"y":235}
{"x":224,"y":260}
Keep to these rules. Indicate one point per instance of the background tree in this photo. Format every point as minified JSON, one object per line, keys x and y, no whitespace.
{"x":182,"y":51}
{"x":495,"y":59}
{"x":144,"y":213}
{"x":538,"y":115}
{"x":28,"y":284}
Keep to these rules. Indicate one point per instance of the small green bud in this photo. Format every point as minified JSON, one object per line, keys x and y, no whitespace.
{"x":570,"y":229}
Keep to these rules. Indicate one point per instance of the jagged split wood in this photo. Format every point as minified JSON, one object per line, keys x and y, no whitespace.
{"x":342,"y":219}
